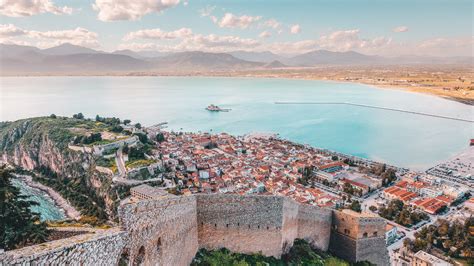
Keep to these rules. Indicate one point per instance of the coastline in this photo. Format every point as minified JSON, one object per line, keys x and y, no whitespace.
{"x":433,"y":91}
{"x":62,"y":203}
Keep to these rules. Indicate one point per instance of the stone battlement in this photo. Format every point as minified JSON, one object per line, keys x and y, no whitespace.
{"x":170,"y":230}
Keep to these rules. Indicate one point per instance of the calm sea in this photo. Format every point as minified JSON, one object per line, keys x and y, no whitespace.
{"x":46,"y":207}
{"x":401,"y":139}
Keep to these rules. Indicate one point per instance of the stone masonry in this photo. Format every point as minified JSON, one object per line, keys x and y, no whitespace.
{"x":359,"y":237}
{"x":99,"y":247}
{"x":170,"y":230}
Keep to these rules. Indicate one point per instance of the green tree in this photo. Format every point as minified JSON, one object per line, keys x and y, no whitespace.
{"x":78,"y":116}
{"x":355,"y":206}
{"x":19,"y":225}
{"x":160,"y":137}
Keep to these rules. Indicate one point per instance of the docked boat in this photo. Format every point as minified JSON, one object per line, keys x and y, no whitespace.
{"x":215,"y":108}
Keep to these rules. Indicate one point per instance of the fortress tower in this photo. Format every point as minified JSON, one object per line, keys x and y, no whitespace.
{"x":358,"y":237}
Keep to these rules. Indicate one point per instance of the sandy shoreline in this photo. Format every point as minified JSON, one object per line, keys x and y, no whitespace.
{"x":69,"y":210}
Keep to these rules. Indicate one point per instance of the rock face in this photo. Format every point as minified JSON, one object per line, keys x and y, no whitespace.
{"x":41,"y":144}
{"x":170,"y":230}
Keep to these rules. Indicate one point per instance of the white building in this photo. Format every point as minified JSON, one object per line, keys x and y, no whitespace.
{"x":422,"y":258}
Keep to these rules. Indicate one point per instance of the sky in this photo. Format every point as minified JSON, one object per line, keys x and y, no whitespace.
{"x":383,"y":27}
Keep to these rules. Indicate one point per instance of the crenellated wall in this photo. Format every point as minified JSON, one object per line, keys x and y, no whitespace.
{"x":170,"y":230}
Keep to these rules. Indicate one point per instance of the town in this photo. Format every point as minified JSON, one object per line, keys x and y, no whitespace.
{"x":182,"y":163}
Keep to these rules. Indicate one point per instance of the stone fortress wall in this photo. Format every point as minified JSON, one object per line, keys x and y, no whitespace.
{"x":98,"y":247}
{"x":161,"y":232}
{"x":266,"y":224}
{"x":170,"y":230}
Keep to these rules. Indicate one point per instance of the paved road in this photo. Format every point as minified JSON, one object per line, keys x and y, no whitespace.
{"x":122,"y":174}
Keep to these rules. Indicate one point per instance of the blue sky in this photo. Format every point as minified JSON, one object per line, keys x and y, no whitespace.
{"x":375,"y":27}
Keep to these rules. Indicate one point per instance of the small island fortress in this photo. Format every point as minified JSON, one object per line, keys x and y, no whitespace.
{"x":157,"y":228}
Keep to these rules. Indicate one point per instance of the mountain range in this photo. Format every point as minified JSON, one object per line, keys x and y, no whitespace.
{"x":73,"y":59}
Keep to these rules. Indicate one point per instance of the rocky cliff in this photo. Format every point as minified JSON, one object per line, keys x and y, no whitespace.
{"x":41,"y":145}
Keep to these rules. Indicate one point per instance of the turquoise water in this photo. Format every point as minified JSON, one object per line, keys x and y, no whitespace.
{"x":398,"y":138}
{"x":47,"y":208}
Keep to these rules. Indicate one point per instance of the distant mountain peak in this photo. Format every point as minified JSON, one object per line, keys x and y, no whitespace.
{"x":68,"y":48}
{"x":275,"y":64}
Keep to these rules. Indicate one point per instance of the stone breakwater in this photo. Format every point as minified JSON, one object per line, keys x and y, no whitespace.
{"x":170,"y":230}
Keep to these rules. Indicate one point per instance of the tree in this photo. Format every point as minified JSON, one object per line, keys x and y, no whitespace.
{"x":53,"y":116}
{"x":373,"y":208}
{"x":116,"y":129}
{"x":19,"y":225}
{"x":126,"y":121}
{"x":78,"y":116}
{"x":355,"y":206}
{"x":138,"y":125}
{"x":160,"y":137}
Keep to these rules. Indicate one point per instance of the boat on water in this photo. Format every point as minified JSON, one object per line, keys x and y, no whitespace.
{"x":215,"y":108}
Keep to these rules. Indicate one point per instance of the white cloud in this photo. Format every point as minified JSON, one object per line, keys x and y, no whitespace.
{"x":9,"y":30}
{"x":25,"y":8}
{"x":77,"y":36}
{"x":208,"y":42}
{"x":265,"y":34}
{"x":232,"y":21}
{"x":111,"y":10}
{"x":346,"y":40}
{"x":400,"y":29}
{"x":158,"y":34}
{"x":271,"y":23}
{"x":295,"y":29}
{"x":188,"y":41}
{"x":291,"y":47}
{"x":445,"y":46}
{"x":207,"y":11}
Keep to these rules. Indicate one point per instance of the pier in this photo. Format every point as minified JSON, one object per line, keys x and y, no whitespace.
{"x":381,"y":108}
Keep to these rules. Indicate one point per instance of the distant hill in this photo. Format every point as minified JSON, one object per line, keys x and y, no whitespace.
{"x":275,"y":64}
{"x":12,"y":50}
{"x":141,"y":54}
{"x":68,"y":49}
{"x":265,"y":57}
{"x":324,"y":57}
{"x":69,"y":58}
{"x":75,"y":63}
{"x":128,"y":53}
{"x":201,"y":61}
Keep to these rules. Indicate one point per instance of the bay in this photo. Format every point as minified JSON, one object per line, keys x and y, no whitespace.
{"x":401,"y":139}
